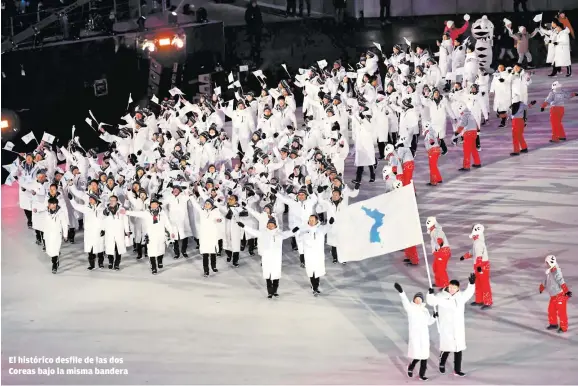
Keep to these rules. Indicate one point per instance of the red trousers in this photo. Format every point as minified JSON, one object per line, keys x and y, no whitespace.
{"x":518,"y":134}
{"x":407,"y":172}
{"x":411,"y":254}
{"x":434,"y":173}
{"x":557,"y":310}
{"x":440,"y":265}
{"x":483,"y":287}
{"x":470,"y":149}
{"x":556,"y":115}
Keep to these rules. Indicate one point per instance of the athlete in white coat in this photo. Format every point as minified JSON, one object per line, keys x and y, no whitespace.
{"x":26,"y":175}
{"x":116,"y":232}
{"x":451,"y":303}
{"x":178,"y":211}
{"x":419,"y":320}
{"x":156,"y":224}
{"x":93,"y":235}
{"x":313,"y":235}
{"x":56,"y":229}
{"x":209,"y":221}
{"x":271,"y":251}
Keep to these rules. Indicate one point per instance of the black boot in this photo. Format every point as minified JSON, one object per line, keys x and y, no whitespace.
{"x":101,"y":260}
{"x":160,"y":261}
{"x":198,"y":244}
{"x":443,"y":358}
{"x":176,"y":248}
{"x":458,"y":364}
{"x":422,"y":369}
{"x":229,"y":255}
{"x":269,"y":288}
{"x":214,"y":262}
{"x":411,"y":367}
{"x":220,"y":252}
{"x":110,"y":261}
{"x":235,"y":259}
{"x":139,"y":251}
{"x":71,"y":235}
{"x":153,"y":261}
{"x":443,"y":146}
{"x":117,"y":262}
{"x":251,"y":243}
{"x":54,"y":264}
{"x":81,"y":224}
{"x":302,"y":260}
{"x":91,"y":259}
{"x":294,"y":244}
{"x":275,"y":287}
{"x":184,"y":248}
{"x":568,"y":71}
{"x":134,"y":246}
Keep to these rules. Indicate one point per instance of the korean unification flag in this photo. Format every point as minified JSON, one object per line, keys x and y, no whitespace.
{"x":378,"y":226}
{"x":28,"y":137}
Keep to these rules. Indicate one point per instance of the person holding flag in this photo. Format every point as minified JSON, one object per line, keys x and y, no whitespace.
{"x":26,"y":174}
{"x":419,"y":320}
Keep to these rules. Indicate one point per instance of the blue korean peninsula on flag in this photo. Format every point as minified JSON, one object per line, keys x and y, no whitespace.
{"x":378,"y":226}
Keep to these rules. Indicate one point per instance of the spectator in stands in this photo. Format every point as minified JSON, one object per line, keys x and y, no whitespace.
{"x":308,"y":8}
{"x":254,"y":21}
{"x":339,"y":10}
{"x":517,"y":4}
{"x":384,"y":11}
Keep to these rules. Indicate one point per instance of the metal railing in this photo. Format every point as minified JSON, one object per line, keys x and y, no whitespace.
{"x":94,"y":16}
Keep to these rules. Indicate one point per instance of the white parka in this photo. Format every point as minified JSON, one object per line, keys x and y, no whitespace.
{"x":451,"y":317}
{"x":418,"y":320}
{"x":93,"y":241}
{"x":156,"y":232}
{"x":26,"y":177}
{"x":270,"y":249}
{"x":115,"y":229}
{"x":56,"y":228}
{"x":208,"y":232}
{"x":178,"y":211}
{"x":314,"y":249}
{"x":364,"y":144}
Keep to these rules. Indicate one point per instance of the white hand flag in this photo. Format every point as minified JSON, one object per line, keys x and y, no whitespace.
{"x":28,"y":137}
{"x":322,"y":64}
{"x":538,"y":18}
{"x":175,"y":91}
{"x":231,"y":78}
{"x":285,"y":68}
{"x":407,"y":41}
{"x":129,"y":100}
{"x":9,"y":180}
{"x":378,"y":46}
{"x":9,"y":146}
{"x":218,"y":90}
{"x":48,"y":138}
{"x":154,"y":99}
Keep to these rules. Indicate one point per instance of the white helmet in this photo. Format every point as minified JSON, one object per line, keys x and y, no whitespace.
{"x":429,"y":223}
{"x":387,"y":171}
{"x":556,"y":85}
{"x":477,"y":230}
{"x":389,"y":149}
{"x":551,"y":260}
{"x":462,"y":107}
{"x":397,"y":184}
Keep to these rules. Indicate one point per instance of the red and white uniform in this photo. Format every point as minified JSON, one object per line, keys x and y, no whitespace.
{"x":479,"y":253}
{"x":441,"y":252}
{"x":559,"y":294}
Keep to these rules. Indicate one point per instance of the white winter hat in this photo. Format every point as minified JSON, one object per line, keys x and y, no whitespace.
{"x":556,"y":85}
{"x":387,"y":171}
{"x":484,"y":17}
{"x":450,"y":23}
{"x":389,"y":149}
{"x":507,"y":21}
{"x":430,"y":222}
{"x":477,"y":230}
{"x":551,"y":260}
{"x":521,"y":29}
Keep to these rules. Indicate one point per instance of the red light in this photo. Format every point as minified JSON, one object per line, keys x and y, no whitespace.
{"x":165,"y":42}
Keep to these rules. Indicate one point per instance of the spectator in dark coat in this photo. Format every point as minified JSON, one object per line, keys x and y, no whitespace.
{"x":254,"y":21}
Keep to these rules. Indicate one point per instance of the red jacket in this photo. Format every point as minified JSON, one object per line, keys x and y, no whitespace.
{"x":456,"y":32}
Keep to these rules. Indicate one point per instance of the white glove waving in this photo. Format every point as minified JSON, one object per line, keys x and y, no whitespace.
{"x":466,"y":17}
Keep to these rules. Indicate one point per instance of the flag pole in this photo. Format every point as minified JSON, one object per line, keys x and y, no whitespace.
{"x":429,"y":279}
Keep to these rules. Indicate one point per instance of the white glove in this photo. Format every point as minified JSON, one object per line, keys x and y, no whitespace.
{"x":466,"y":17}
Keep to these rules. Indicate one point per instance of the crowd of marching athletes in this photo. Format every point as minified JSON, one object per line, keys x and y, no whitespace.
{"x":172,"y":173}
